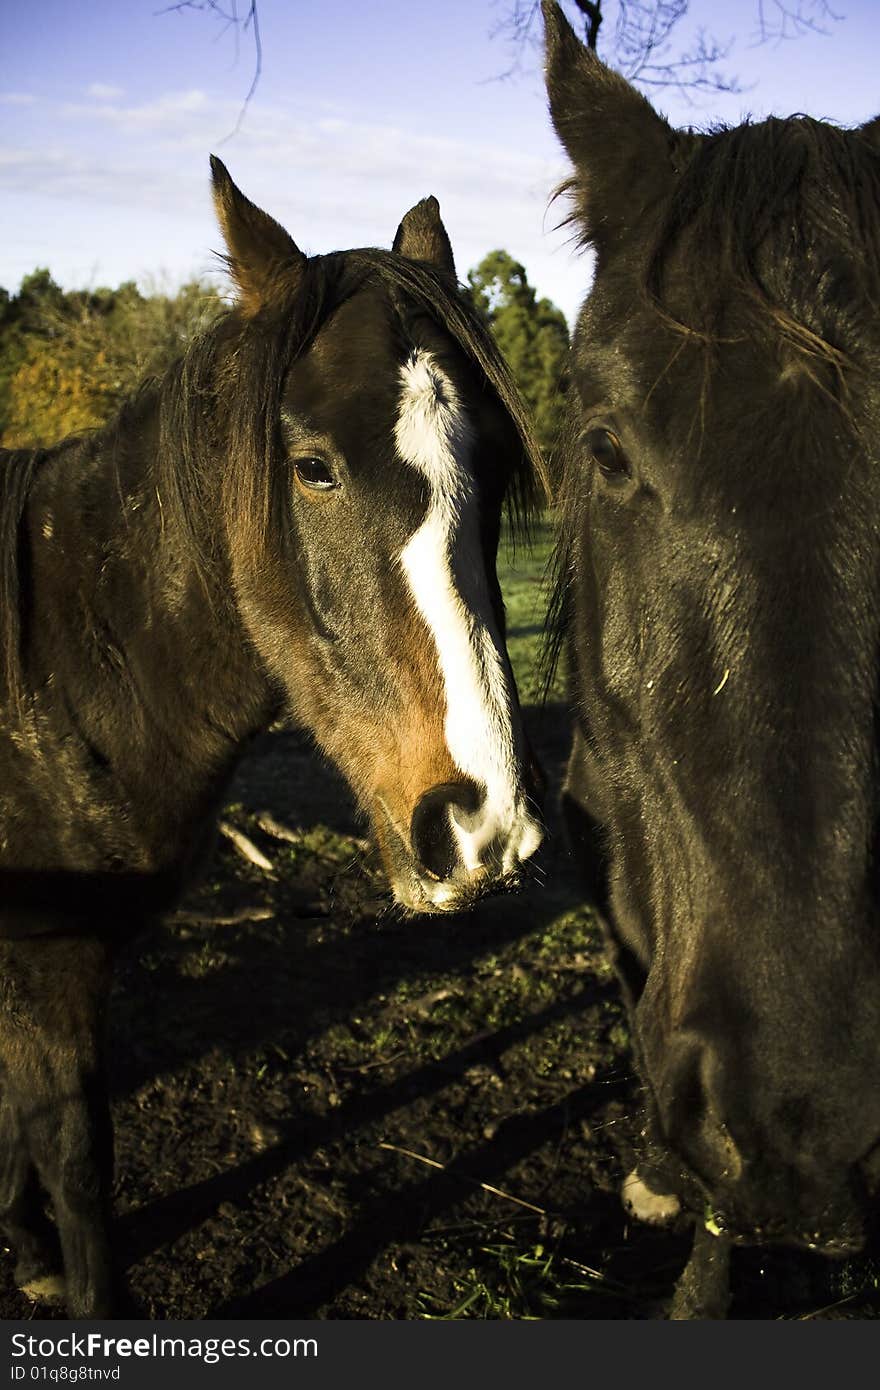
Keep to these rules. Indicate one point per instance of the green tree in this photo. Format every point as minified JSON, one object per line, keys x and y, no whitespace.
{"x":531,"y":333}
{"x":69,"y":359}
{"x":21,"y":317}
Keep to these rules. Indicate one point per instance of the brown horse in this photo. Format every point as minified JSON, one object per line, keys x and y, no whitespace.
{"x":303,"y":515}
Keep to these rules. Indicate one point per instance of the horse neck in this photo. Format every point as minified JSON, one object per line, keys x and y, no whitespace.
{"x":120,"y":593}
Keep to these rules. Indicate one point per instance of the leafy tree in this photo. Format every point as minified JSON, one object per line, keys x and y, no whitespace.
{"x":68,"y":360}
{"x":51,"y":395}
{"x":20,"y":316}
{"x":532,"y":334}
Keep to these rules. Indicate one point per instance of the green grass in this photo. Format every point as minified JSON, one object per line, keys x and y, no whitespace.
{"x":527,"y":1283}
{"x":522,"y":573}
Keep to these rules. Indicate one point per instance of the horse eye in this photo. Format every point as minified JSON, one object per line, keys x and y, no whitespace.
{"x":314,"y":474}
{"x":607,"y":452}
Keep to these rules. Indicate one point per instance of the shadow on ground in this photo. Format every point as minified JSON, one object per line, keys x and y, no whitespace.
{"x":324,"y":1110}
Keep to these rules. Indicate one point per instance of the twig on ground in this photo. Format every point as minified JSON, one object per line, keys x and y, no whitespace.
{"x":380,"y":1062}
{"x":487,"y":1187}
{"x":829,"y":1307}
{"x":266,"y":821}
{"x":229,"y":919}
{"x":246,"y":847}
{"x":279,"y":831}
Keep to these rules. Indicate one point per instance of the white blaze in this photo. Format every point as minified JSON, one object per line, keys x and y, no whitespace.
{"x":444,"y":566}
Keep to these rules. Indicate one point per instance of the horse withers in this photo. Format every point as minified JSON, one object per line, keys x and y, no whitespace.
{"x":303,"y":514}
{"x":719,"y":569}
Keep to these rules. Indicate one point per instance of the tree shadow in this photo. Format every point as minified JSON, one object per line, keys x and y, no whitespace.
{"x":164,"y":1220}
{"x":402,"y":1214}
{"x":273,"y":987}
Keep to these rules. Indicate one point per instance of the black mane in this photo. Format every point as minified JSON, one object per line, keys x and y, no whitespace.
{"x":17,"y":471}
{"x":761,"y":203}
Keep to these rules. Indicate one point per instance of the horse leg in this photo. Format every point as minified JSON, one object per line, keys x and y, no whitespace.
{"x":703,"y":1288}
{"x":55,"y":1074}
{"x":23,"y":1216}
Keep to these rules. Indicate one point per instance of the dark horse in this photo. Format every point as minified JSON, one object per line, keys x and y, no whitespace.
{"x":303,"y":515}
{"x":719,"y":577}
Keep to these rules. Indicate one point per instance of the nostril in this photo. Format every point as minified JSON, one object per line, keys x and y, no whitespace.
{"x":433,"y":840}
{"x":432,"y":834}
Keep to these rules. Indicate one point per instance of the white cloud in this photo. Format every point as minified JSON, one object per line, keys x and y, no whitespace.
{"x":105,"y":91}
{"x":283,"y":156}
{"x":334,"y":181}
{"x":163,"y":114}
{"x":17,"y":98}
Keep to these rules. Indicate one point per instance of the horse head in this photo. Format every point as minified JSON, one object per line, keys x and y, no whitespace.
{"x":394,"y":435}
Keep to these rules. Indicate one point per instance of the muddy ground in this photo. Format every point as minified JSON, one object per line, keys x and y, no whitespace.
{"x":326,"y":1111}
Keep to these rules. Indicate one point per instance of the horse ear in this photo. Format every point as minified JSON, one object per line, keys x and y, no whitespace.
{"x":621,"y":149}
{"x":261,"y":252}
{"x":422,"y":237}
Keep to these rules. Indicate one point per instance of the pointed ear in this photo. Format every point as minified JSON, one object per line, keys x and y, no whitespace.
{"x":261,"y":253}
{"x":621,"y":149}
{"x":422,"y":237}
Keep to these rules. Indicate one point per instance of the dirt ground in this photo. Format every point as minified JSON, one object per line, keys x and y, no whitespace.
{"x":324,"y":1110}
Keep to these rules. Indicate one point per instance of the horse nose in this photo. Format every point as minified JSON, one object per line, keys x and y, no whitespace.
{"x":766,"y":1180}
{"x":438,"y":813}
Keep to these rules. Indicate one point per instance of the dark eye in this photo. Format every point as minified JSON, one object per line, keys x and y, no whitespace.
{"x":314,"y":474}
{"x":607,"y":453}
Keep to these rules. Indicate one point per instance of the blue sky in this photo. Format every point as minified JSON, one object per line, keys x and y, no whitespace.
{"x":109,"y":109}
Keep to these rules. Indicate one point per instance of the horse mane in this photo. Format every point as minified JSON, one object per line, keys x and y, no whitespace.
{"x":786,"y":213}
{"x":18,"y":468}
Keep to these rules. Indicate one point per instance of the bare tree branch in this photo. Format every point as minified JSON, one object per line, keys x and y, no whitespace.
{"x":518,"y":29}
{"x":779,"y":19}
{"x":642,"y":49}
{"x":641,"y":45}
{"x":592,"y":9}
{"x":240,"y":24}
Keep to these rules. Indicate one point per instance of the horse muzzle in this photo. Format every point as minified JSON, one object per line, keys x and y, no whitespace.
{"x":459,"y":847}
{"x":754,"y":1200}
{"x":834,"y":1224}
